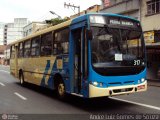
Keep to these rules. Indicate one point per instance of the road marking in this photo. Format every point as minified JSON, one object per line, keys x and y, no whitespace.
{"x":136,"y":103}
{"x":2,"y":84}
{"x":4,"y":71}
{"x":19,"y":95}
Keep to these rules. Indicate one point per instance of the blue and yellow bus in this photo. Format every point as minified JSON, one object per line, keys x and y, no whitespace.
{"x":93,"y":55}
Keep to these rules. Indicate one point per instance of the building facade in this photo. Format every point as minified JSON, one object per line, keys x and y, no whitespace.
{"x":1,"y":32}
{"x":150,"y":20}
{"x":15,"y":30}
{"x":94,"y":8}
{"x":7,"y":55}
{"x":2,"y":48}
{"x":123,"y":7}
{"x":33,"y":27}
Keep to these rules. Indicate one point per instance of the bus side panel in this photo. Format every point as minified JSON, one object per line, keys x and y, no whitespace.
{"x":36,"y":70}
{"x":12,"y":66}
{"x":41,"y":70}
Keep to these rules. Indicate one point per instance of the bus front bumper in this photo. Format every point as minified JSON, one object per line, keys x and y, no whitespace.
{"x":117,"y":90}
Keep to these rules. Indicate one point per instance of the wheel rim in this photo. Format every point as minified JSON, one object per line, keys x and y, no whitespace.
{"x":61,"y":90}
{"x":21,"y":80}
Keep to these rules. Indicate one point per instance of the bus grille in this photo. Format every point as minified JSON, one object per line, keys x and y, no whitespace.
{"x":122,"y":90}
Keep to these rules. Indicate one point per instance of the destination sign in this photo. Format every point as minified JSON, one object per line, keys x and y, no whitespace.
{"x":115,"y":21}
{"x":125,"y":23}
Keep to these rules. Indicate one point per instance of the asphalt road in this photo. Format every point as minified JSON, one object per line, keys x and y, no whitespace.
{"x":31,"y":99}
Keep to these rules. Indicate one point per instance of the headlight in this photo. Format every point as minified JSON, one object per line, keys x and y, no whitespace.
{"x":142,"y":80}
{"x":95,"y":83}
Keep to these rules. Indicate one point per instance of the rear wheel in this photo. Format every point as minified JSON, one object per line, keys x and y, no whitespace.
{"x":21,"y":77}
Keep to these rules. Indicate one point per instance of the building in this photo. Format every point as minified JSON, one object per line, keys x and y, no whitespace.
{"x":150,"y":20}
{"x":7,"y":55}
{"x":5,"y":35}
{"x":33,"y":27}
{"x":1,"y":32}
{"x":123,"y":7}
{"x":15,"y":30}
{"x":94,"y":8}
{"x":2,"y":48}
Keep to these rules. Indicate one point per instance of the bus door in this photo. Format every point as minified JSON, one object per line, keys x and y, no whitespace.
{"x":77,"y":36}
{"x":80,"y":58}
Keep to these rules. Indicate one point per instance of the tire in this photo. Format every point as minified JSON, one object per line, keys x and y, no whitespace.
{"x":60,"y":89}
{"x":21,"y":78}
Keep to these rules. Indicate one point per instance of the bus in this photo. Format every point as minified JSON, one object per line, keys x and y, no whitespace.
{"x":93,"y":55}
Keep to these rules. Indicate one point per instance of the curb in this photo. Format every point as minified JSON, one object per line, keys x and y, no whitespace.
{"x":154,"y":85}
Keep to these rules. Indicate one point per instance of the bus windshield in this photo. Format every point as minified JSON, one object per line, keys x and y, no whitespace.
{"x":117,"y":47}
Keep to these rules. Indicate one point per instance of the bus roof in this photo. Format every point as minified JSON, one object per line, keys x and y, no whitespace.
{"x":49,"y":29}
{"x":83,"y":17}
{"x":67,"y":23}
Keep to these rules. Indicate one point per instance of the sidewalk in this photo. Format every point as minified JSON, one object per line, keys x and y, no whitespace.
{"x":155,"y":83}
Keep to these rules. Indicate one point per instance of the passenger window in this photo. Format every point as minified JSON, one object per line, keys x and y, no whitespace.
{"x":12,"y":52}
{"x":20,"y":50}
{"x":27,"y":49}
{"x":46,"y":44}
{"x":61,"y":43}
{"x":35,"y":46}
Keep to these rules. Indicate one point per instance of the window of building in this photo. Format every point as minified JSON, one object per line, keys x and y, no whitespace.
{"x":12,"y":52}
{"x":46,"y":44}
{"x":61,"y":43}
{"x":20,"y":50}
{"x":35,"y":46}
{"x":153,"y":7}
{"x":27,"y":48}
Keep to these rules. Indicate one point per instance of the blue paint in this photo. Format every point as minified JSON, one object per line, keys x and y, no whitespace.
{"x":63,"y":72}
{"x":45,"y":72}
{"x":93,"y":76}
{"x":67,"y":72}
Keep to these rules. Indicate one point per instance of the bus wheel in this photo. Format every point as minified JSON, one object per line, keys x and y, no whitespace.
{"x":21,"y":77}
{"x":61,"y":90}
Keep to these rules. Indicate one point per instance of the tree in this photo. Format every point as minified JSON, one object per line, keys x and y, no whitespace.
{"x":56,"y":21}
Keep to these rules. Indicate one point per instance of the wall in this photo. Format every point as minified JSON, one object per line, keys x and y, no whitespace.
{"x":124,"y":7}
{"x":149,"y":22}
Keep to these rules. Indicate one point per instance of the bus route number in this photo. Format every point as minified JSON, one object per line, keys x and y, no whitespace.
{"x":137,"y":62}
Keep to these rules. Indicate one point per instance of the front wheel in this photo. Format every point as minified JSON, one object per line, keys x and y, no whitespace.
{"x":61,"y":90}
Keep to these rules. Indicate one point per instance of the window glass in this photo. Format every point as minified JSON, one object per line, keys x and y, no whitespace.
{"x":12,"y":51}
{"x":46,"y":44}
{"x":157,"y":6}
{"x":149,"y":11}
{"x":61,"y":44}
{"x":27,"y":48}
{"x":35,"y":46}
{"x":20,"y":50}
{"x":153,"y":7}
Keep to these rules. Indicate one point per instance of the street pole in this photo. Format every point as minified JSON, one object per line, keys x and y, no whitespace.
{"x":55,"y":14}
{"x":72,"y":6}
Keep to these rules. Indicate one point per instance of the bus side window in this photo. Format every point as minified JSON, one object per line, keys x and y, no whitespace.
{"x":27,"y":48}
{"x":61,"y":43}
{"x":20,"y":50}
{"x":46,"y":44}
{"x":35,"y":51}
{"x":12,"y":52}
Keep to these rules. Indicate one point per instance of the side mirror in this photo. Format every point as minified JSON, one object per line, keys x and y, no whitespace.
{"x":89,"y":34}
